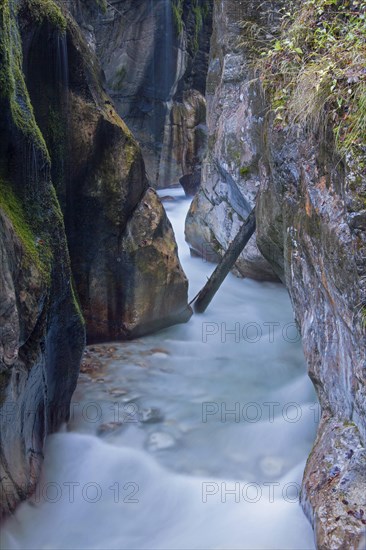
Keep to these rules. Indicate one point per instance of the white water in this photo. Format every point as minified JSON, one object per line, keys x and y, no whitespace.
{"x":178,"y":467}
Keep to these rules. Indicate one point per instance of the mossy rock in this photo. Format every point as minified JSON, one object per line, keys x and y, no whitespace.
{"x":36,"y":250}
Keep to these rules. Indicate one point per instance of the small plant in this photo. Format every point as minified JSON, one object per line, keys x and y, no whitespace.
{"x":200,"y":9}
{"x":47,"y":10}
{"x":102,"y":4}
{"x":314,"y":71}
{"x":177,"y":6}
{"x":119,"y":79}
{"x":244,"y":171}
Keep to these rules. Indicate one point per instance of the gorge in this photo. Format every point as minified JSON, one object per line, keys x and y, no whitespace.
{"x":108,"y":109}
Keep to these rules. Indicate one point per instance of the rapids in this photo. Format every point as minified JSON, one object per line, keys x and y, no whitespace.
{"x":193,"y":438}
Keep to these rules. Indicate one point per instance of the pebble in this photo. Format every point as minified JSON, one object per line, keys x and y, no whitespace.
{"x":159,"y":441}
{"x":117,"y":392}
{"x":150,"y":416}
{"x":271,"y":466}
{"x":108,"y":427}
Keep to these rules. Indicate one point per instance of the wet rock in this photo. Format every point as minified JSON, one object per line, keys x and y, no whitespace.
{"x":90,"y":364}
{"x":117,"y":392}
{"x":230,"y":173}
{"x":160,"y":101}
{"x":191,"y":183}
{"x":334,"y":487}
{"x":159,"y":441}
{"x":41,"y":329}
{"x":151,"y":416}
{"x":104,"y":194}
{"x":109,"y":427}
{"x":150,"y":246}
{"x":167,"y":198}
{"x":306,"y":210}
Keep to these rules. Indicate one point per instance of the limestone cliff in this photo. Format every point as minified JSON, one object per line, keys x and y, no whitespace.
{"x":154,"y":54}
{"x":41,"y":327}
{"x":231,"y":174}
{"x":310,"y":227}
{"x":61,"y":139}
{"x":100,"y":179}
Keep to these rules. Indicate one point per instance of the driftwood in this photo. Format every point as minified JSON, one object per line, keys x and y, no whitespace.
{"x":226,"y":264}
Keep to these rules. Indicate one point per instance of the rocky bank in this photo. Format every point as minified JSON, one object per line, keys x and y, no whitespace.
{"x":86,"y":247}
{"x":311,"y":223}
{"x":154,"y":54}
{"x":80,"y":224}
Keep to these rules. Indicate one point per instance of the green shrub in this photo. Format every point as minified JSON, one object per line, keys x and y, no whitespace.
{"x":47,"y":10}
{"x":314,"y":70}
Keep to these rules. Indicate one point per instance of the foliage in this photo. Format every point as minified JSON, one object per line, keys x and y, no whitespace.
{"x":200,"y":12}
{"x":12,"y":83}
{"x":102,"y":4}
{"x":315,"y":69}
{"x":200,"y":9}
{"x":177,"y":6}
{"x":47,"y":10}
{"x":14,"y":210}
{"x":244,"y":171}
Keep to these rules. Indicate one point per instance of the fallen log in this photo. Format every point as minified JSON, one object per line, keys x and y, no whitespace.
{"x":227,"y":262}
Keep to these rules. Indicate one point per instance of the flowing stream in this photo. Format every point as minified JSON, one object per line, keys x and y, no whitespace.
{"x":192,"y":438}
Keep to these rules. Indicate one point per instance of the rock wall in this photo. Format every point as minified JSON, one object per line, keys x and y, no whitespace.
{"x":41,"y":328}
{"x":312,"y":227}
{"x":311,"y":223}
{"x":231,"y":172}
{"x":100,"y":179}
{"x":61,"y":139}
{"x":154,"y":55}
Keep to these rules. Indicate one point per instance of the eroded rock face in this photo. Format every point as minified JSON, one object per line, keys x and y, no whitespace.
{"x":231,"y":175}
{"x":101,"y":182}
{"x":311,"y":226}
{"x":334,"y":485}
{"x":149,"y":260}
{"x":42,"y":338}
{"x":155,"y":66}
{"x":41,"y":329}
{"x":60,"y":112}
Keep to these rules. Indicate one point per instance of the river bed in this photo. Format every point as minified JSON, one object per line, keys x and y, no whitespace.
{"x":192,"y":438}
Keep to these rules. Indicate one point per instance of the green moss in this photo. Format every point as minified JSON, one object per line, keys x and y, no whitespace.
{"x":119,"y":79}
{"x":47,"y":10}
{"x":349,"y":424}
{"x":314,"y":72}
{"x":200,"y":9}
{"x":198,"y":23}
{"x":56,"y":205}
{"x":15,"y":211}
{"x":12,"y":82}
{"x":130,"y":153}
{"x":77,"y":303}
{"x":102,"y":4}
{"x":177,"y":6}
{"x":244,"y":171}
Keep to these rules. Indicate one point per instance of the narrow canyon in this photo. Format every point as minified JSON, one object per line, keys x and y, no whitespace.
{"x":136,"y":137}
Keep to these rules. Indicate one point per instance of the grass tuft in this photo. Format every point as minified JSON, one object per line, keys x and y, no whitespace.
{"x":314,"y":70}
